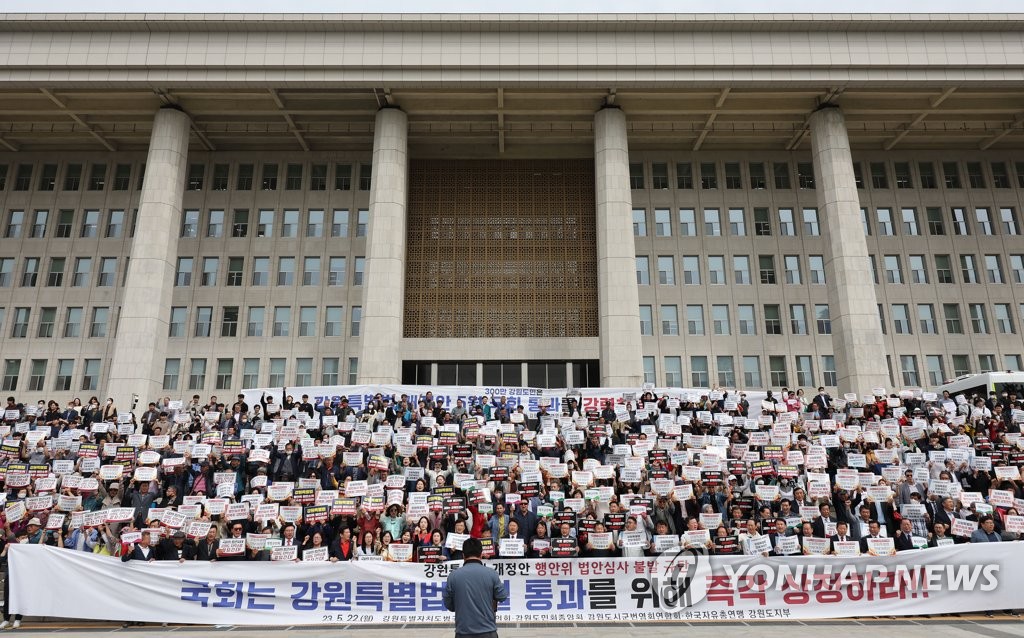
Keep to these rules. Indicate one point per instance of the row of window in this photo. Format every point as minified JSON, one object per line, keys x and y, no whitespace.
{"x":693,"y":274}
{"x":81,"y":276}
{"x":735,"y":218}
{"x":47,"y":327}
{"x":749,"y":371}
{"x":959,"y":219}
{"x":260,"y":275}
{"x":284,"y":275}
{"x":35,"y":224}
{"x":793,"y":273}
{"x":99,"y":324}
{"x":687,"y":175}
{"x":292,"y":223}
{"x":1002,"y":318}
{"x":303,"y":373}
{"x":917,"y":268}
{"x":330,"y":374}
{"x":37,"y":373}
{"x":199,"y":176}
{"x":725,"y":371}
{"x":256,"y":321}
{"x":741,"y":265}
{"x":790,"y":225}
{"x":722,"y":319}
{"x":756,"y":176}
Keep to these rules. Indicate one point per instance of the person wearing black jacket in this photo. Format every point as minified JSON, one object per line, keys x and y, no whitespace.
{"x":236,"y":529}
{"x":207,"y":548}
{"x":140,"y":500}
{"x":903,"y":539}
{"x":177,"y":547}
{"x":140,"y":550}
{"x":306,"y":406}
{"x":343,"y":547}
{"x":285,"y":465}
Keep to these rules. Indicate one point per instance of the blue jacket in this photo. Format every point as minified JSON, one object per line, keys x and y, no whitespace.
{"x":471,"y":593}
{"x":493,"y":524}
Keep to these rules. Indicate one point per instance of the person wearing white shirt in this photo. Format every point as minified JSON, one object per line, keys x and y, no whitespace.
{"x":634,"y":552}
{"x":748,"y":537}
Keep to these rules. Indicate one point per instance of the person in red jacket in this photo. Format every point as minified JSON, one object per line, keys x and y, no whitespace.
{"x":479,"y":528}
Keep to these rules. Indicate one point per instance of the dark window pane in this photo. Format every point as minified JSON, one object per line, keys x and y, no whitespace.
{"x":512,"y":374}
{"x":446,"y":373}
{"x":537,"y":375}
{"x":556,"y":375}
{"x":492,"y":374}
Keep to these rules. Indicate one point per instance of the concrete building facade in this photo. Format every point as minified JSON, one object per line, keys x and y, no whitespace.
{"x":195,"y":204}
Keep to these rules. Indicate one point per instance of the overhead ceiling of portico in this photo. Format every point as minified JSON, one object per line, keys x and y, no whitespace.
{"x":513,"y":121}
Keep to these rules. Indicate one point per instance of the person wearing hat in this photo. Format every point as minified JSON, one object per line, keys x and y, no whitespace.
{"x":177,"y":547}
{"x":34,"y":529}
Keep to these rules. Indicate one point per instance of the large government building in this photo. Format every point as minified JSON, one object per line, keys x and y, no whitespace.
{"x":192,"y":204}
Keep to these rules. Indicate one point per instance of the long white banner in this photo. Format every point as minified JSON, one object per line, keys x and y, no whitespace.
{"x":942,"y":580}
{"x":359,"y":396}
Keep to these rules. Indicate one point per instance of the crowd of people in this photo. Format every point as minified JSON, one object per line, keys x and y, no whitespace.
{"x":410,"y":478}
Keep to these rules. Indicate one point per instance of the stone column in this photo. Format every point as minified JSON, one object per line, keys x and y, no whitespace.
{"x":380,"y":357}
{"x":856,"y":333}
{"x":140,"y":346}
{"x":618,"y":297}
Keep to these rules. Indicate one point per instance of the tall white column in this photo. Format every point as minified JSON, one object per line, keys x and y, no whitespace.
{"x":380,"y":358}
{"x":140,"y":347}
{"x":618,"y":297}
{"x":856,"y":332}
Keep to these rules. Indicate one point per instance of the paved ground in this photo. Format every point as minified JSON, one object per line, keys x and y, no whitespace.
{"x":964,"y":626}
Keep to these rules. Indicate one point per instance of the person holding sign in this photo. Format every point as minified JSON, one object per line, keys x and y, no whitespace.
{"x":599,"y":542}
{"x":176,"y":548}
{"x":874,"y":533}
{"x":141,"y":550}
{"x":634,"y":541}
{"x":753,"y":542}
{"x":473,"y":593}
{"x":313,"y":541}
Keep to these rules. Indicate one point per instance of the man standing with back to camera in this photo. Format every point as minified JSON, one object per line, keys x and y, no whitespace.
{"x":473,"y":593}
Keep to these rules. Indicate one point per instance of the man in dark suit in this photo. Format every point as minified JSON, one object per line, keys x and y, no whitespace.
{"x":874,"y":531}
{"x":842,"y":535}
{"x":946,"y":513}
{"x":781,"y":531}
{"x":821,"y":522}
{"x":823,"y":399}
{"x":177,"y":547}
{"x":207,"y":548}
{"x":903,"y":539}
{"x":141,"y":550}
